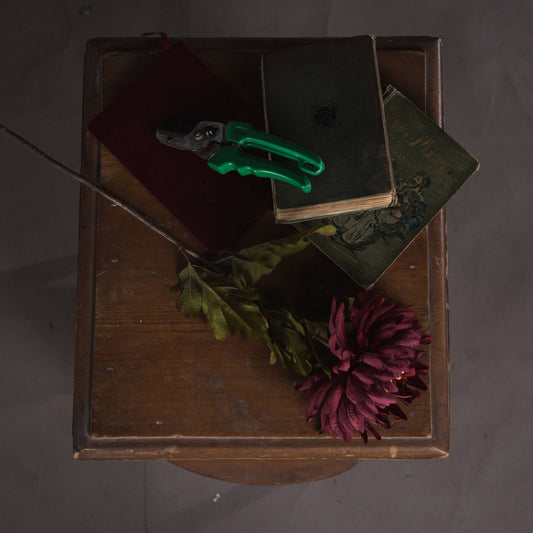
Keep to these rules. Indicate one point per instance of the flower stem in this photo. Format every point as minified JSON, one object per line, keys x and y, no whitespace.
{"x":102,"y":192}
{"x":320,"y":340}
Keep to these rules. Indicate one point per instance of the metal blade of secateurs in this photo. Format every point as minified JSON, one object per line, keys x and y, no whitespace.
{"x":202,"y":138}
{"x":173,"y":131}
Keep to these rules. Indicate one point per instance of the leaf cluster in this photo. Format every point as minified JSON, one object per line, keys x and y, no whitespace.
{"x":226,"y":293}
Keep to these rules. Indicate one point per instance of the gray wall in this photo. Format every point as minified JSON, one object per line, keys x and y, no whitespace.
{"x":484,"y":485}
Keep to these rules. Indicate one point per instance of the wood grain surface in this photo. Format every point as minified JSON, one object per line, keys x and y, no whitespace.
{"x":151,"y":384}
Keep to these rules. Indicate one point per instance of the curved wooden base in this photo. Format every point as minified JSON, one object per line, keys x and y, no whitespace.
{"x":268,"y":471}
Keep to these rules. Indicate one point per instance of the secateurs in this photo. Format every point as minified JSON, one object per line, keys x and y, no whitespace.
{"x":222,"y":145}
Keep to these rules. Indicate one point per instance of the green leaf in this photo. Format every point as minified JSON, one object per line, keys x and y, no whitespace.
{"x":226,"y":294}
{"x":319,"y":330}
{"x":225,"y":306}
{"x":250,"y":264}
{"x":212,"y":309}
{"x":287,"y":341}
{"x":190,"y":299}
{"x":316,"y":329}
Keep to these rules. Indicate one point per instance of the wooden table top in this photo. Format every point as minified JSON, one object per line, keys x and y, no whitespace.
{"x":151,"y":384}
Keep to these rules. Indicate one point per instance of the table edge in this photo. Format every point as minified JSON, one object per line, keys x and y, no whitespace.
{"x":89,"y":447}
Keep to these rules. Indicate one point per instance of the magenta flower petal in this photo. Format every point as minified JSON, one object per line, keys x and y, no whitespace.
{"x":373,"y":360}
{"x":316,"y":398}
{"x":363,"y":377}
{"x":343,"y":367}
{"x":378,"y":366}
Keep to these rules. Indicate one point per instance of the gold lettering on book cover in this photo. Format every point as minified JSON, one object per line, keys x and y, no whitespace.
{"x":426,"y":142}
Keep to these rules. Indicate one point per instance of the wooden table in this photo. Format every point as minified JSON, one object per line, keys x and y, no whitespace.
{"x":151,"y":384}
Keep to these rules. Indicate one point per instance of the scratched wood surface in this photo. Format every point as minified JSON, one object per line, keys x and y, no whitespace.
{"x":150,"y":383}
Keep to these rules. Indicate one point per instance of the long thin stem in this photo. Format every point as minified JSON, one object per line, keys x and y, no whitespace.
{"x":320,"y":340}
{"x":102,"y":192}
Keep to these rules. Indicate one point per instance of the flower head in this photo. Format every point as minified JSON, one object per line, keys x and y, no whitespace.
{"x":378,"y":363}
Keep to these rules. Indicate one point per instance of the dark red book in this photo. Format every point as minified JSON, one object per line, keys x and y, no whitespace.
{"x":217,"y":209}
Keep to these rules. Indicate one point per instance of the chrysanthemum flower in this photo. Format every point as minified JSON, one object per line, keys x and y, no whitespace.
{"x":377,"y":365}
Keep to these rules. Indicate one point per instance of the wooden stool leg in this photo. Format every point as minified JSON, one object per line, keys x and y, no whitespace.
{"x":268,"y":471}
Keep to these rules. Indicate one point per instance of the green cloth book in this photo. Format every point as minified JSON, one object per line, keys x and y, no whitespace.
{"x":429,"y":167}
{"x":326,"y":96}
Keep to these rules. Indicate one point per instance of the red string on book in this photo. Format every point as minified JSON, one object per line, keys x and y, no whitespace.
{"x":164,"y":38}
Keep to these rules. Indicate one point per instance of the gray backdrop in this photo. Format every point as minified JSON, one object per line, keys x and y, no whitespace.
{"x":486,"y":482}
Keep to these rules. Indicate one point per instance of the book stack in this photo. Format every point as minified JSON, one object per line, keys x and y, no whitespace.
{"x":326,"y":97}
{"x":389,"y":168}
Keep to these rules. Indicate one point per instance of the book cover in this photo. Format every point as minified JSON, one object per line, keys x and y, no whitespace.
{"x":326,"y":97}
{"x":429,"y":167}
{"x":217,"y":209}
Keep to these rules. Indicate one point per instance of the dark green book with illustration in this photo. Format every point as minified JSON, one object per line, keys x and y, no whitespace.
{"x":429,"y":167}
{"x":326,"y":96}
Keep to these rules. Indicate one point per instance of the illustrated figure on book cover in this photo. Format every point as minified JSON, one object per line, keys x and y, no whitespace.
{"x":429,"y":167}
{"x":359,"y":230}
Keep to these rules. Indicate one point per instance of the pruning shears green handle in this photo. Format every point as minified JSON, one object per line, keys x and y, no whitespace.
{"x":223,"y":146}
